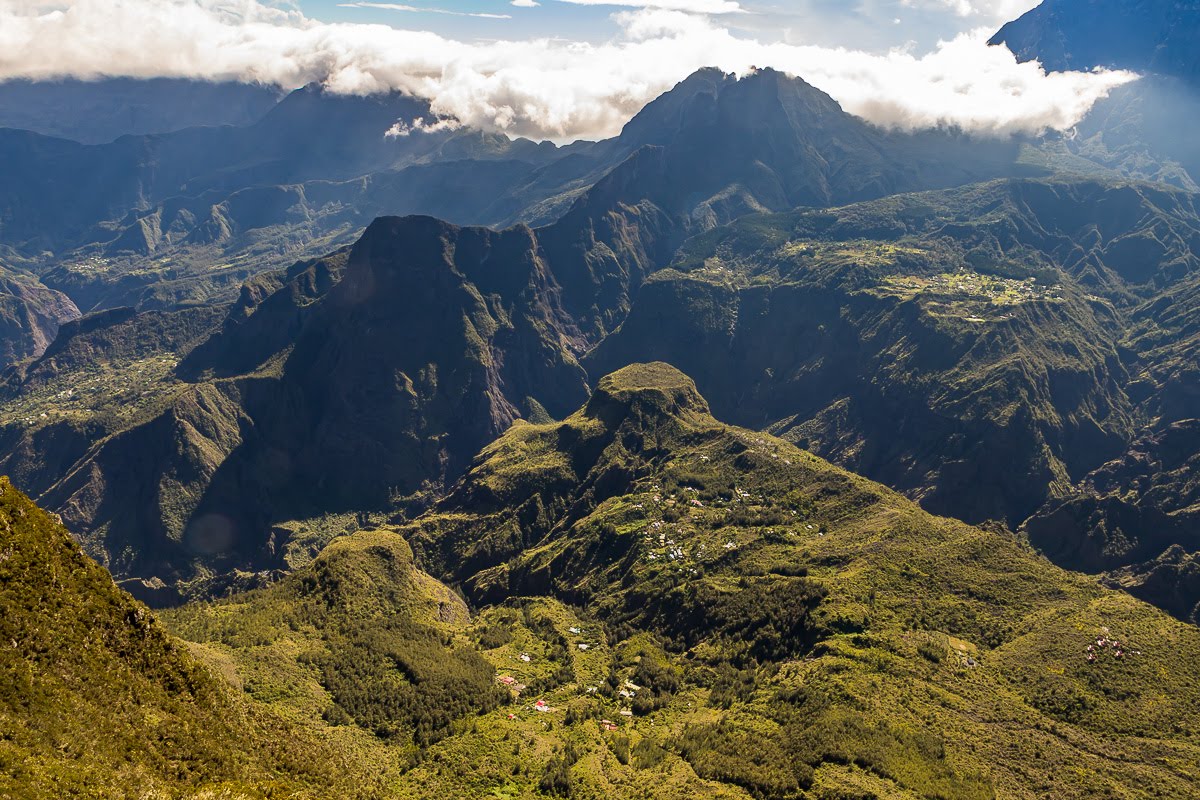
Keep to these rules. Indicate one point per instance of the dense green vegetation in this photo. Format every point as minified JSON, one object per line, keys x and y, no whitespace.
{"x":97,"y":700}
{"x":414,"y":567}
{"x":961,"y":346}
{"x":913,"y":619}
{"x":381,"y":639}
{"x":983,"y":349}
{"x":661,"y":605}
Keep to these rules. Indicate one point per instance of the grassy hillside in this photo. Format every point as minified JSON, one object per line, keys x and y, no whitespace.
{"x":97,"y":700}
{"x":856,"y":634}
{"x":360,"y":648}
{"x":706,"y":611}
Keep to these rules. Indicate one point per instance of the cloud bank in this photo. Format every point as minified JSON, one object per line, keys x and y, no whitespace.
{"x":542,"y":88}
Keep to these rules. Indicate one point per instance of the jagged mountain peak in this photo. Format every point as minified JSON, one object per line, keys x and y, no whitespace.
{"x":312,"y":103}
{"x":789,"y":91}
{"x":400,"y":254}
{"x":669,"y":112}
{"x":764,"y":98}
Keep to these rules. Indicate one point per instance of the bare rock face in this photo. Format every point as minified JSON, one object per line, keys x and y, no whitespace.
{"x":30,"y":316}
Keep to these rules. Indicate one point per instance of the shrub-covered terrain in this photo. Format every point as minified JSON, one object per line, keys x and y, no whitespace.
{"x":658,"y":604}
{"x":98,"y":700}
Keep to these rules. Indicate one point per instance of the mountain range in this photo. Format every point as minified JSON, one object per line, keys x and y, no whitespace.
{"x":103,"y":110}
{"x":756,"y":452}
{"x":187,"y":216}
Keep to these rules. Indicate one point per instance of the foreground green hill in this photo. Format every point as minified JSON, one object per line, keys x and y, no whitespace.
{"x":97,"y":700}
{"x":678,"y":608}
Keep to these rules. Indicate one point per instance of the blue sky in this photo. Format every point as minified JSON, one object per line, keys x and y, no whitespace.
{"x":873,"y":25}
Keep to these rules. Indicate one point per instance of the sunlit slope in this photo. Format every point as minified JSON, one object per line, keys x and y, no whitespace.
{"x":97,"y":700}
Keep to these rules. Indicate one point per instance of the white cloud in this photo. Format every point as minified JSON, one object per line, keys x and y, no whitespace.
{"x":525,"y":3}
{"x":962,"y":8}
{"x":540,"y":88}
{"x":418,"y":125}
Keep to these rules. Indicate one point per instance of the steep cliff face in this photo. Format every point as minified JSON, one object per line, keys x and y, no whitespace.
{"x":435,"y":340}
{"x":269,"y":313}
{"x":343,"y":384}
{"x":30,"y":315}
{"x":1136,"y":517}
{"x":891,"y":388}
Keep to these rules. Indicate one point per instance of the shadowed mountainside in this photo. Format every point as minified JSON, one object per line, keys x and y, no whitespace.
{"x":1154,"y":36}
{"x":367,"y":389}
{"x":30,"y":315}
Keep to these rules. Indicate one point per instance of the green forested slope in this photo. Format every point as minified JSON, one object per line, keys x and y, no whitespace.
{"x":657,"y":605}
{"x":98,"y":700}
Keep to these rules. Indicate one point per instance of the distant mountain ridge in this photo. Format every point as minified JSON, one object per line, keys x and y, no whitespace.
{"x":103,"y":110}
{"x":1143,"y":129}
{"x":160,"y":220}
{"x":312,"y":173}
